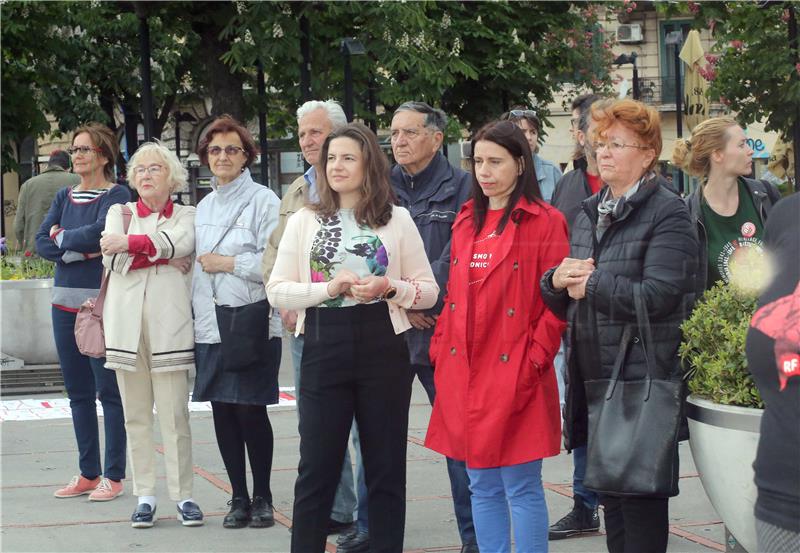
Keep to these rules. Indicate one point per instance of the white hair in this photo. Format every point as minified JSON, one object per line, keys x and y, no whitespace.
{"x":177,"y":176}
{"x":331,"y":107}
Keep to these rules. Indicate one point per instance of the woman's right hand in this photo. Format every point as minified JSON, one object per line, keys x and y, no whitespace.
{"x":571,"y":271}
{"x":341,"y":283}
{"x":183,"y":264}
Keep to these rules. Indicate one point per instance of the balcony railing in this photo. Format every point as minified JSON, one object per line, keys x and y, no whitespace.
{"x":657,"y":90}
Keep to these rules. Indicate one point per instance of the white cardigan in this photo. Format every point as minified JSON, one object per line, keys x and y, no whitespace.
{"x":155,"y":300}
{"x":290,"y":285}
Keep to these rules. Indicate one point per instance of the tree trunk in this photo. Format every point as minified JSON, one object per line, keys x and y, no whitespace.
{"x":224,"y":88}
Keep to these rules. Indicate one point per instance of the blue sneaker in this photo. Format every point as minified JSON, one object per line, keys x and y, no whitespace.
{"x":143,"y":516}
{"x":190,"y":514}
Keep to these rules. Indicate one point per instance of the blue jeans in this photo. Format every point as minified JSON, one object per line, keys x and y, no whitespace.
{"x":519,"y":487}
{"x":86,"y":380}
{"x":345,"y":502}
{"x":456,"y":470}
{"x":588,"y":497}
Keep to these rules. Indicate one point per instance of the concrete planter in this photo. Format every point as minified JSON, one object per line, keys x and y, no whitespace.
{"x":724,"y":440}
{"x":27,"y":327}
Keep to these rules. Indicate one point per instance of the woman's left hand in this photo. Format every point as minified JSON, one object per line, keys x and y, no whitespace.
{"x":369,"y":288}
{"x":113,"y":243}
{"x":216,"y":263}
{"x":578,"y":291}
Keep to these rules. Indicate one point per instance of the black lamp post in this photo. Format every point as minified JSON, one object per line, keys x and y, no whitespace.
{"x":144,"y":54}
{"x":180,"y":117}
{"x":675,"y":38}
{"x":631,"y":58}
{"x":262,"y":124}
{"x":350,"y":47}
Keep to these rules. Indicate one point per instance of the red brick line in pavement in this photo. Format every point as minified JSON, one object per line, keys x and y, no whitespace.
{"x":104,"y":521}
{"x":685,"y":534}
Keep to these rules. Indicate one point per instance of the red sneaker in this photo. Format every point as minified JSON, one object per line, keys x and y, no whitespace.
{"x":106,"y":490}
{"x":77,"y":486}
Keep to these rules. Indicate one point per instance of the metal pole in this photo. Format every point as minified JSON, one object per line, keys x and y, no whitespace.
{"x":262,"y":124}
{"x":178,"y":135}
{"x":793,"y":43}
{"x":678,"y":108}
{"x":348,"y":86}
{"x":305,"y":65}
{"x":147,"y":93}
{"x":637,"y":93}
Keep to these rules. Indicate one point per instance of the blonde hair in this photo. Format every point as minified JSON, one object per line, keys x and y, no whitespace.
{"x":636,"y":116}
{"x":693,"y":155}
{"x":177,"y":175}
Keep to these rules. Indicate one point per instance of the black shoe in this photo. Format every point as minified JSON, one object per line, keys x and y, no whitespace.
{"x":580,"y":520}
{"x":261,"y":514}
{"x":336,"y":527}
{"x":471,"y":547}
{"x":143,"y":516}
{"x":347,"y":536}
{"x":190,"y":514}
{"x":239,"y":515}
{"x":358,"y":543}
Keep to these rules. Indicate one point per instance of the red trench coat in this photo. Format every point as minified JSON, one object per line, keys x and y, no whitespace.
{"x":500,"y":407}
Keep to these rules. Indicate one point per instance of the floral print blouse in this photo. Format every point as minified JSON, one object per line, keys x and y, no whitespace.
{"x":342,"y":243}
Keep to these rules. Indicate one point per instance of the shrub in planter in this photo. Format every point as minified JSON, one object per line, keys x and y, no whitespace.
{"x":713,"y":347}
{"x":25,"y":266}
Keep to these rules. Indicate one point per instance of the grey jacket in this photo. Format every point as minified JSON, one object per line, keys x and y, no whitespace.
{"x":255,"y":208}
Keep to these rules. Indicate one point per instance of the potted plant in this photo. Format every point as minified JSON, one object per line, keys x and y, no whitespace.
{"x":26,"y":283}
{"x":725,"y":408}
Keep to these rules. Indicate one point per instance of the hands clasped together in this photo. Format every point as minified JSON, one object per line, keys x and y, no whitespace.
{"x":360,"y":289}
{"x":572,"y":274}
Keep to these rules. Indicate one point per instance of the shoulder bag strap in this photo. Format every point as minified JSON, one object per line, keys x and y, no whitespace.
{"x":221,"y":238}
{"x":101,"y":296}
{"x":646,"y":336}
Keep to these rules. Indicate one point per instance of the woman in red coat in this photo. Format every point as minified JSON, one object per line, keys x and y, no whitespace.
{"x":497,"y":402}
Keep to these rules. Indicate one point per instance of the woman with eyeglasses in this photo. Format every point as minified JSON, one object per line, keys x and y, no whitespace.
{"x":547,"y":173}
{"x":351,"y":265}
{"x":633,"y":243}
{"x":70,"y":236}
{"x":496,"y":405}
{"x":233,"y":225}
{"x":147,"y":320}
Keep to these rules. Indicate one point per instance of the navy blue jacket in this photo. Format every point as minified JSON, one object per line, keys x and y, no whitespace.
{"x":444,"y":189}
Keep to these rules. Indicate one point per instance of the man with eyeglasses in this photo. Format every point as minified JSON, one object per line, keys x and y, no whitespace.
{"x":433,"y":191}
{"x":574,"y":187}
{"x":37,"y":194}
{"x":547,"y":173}
{"x":315,"y":121}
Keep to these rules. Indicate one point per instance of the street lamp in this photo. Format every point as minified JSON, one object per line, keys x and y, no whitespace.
{"x":675,"y":38}
{"x":181,"y":117}
{"x":350,"y":47}
{"x":631,"y":58}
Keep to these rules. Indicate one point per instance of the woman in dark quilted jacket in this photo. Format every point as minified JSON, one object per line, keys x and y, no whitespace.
{"x":633,"y":240}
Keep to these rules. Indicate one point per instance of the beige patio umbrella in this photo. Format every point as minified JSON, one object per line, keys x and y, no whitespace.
{"x":695,"y":87}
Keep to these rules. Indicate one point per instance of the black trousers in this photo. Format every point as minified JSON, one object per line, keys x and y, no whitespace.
{"x":353,"y":364}
{"x":636,"y":524}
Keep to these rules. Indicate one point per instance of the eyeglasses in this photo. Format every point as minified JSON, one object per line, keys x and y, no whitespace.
{"x":153,"y":170}
{"x":230,"y":151}
{"x":616,"y":146}
{"x":522,"y":113}
{"x":75,"y":150}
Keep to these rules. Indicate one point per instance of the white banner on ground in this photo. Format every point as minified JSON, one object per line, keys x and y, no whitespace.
{"x":58,"y":408}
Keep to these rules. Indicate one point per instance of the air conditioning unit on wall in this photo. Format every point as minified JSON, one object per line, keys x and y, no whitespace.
{"x":630,"y":33}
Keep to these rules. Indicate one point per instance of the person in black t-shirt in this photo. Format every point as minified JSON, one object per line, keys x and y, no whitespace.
{"x":773,"y":358}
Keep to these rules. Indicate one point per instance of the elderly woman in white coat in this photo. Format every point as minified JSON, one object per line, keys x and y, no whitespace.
{"x":148,"y":327}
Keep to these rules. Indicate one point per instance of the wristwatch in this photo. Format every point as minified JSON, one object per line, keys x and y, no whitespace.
{"x":390,"y":292}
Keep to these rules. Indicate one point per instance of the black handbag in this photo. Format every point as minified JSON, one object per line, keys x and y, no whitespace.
{"x":243,"y":330}
{"x":633,"y":424}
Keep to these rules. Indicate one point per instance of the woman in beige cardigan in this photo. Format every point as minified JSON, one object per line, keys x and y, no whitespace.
{"x":148,"y":327}
{"x":351,"y":265}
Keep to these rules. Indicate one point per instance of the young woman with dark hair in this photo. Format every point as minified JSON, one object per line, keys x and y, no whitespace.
{"x":497,"y":402}
{"x":351,"y":265}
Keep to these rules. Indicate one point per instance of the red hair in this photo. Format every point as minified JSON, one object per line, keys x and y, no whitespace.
{"x":643,"y":120}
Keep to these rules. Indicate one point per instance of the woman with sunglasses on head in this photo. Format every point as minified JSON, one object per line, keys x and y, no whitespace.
{"x":233,"y":224}
{"x":631,"y":267}
{"x":493,"y":348}
{"x":147,"y":320}
{"x":351,"y":265}
{"x":728,"y":209}
{"x":70,"y":236}
{"x":547,"y":173}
